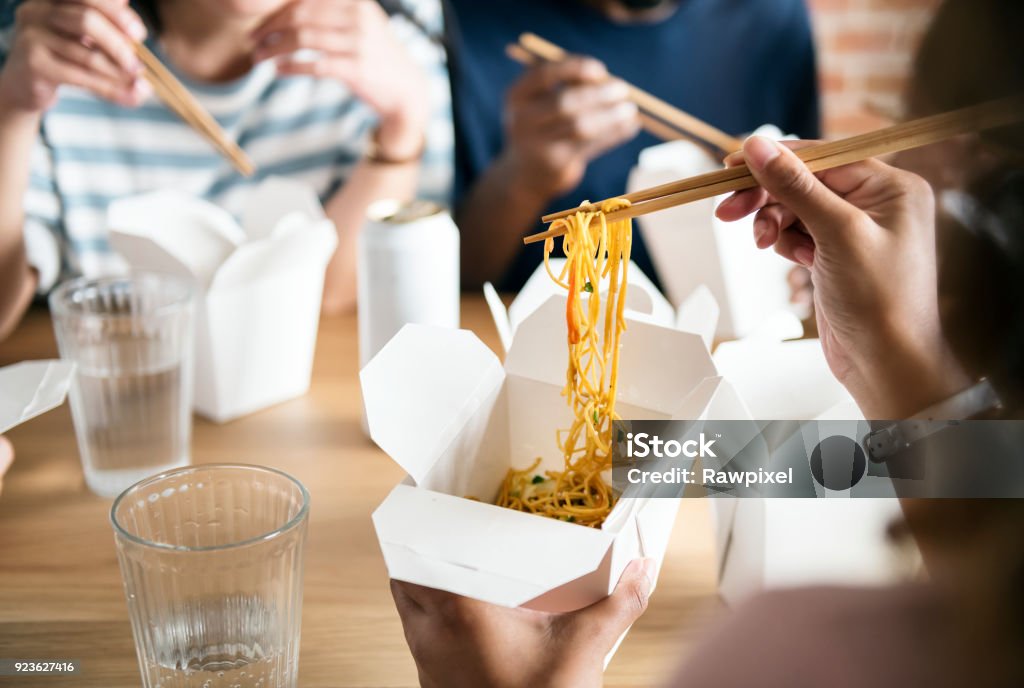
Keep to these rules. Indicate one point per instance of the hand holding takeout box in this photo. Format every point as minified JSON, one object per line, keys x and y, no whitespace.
{"x":441,"y":404}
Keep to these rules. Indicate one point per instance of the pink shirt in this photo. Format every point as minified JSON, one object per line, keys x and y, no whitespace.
{"x":894,"y":637}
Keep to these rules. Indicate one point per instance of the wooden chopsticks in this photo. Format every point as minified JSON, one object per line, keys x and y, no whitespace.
{"x":654,"y":126}
{"x":900,"y":137}
{"x":661,"y":119}
{"x":184,"y":104}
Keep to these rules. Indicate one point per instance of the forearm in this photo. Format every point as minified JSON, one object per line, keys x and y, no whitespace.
{"x":492,"y":220}
{"x":347,"y":209}
{"x":17,"y":279}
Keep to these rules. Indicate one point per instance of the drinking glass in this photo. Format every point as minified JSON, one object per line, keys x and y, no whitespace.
{"x":211,"y":558}
{"x":131,"y":339}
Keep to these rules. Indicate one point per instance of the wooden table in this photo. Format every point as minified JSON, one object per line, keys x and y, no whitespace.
{"x":60,"y":589}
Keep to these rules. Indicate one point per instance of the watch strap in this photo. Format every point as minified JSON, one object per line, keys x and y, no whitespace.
{"x":893,"y":438}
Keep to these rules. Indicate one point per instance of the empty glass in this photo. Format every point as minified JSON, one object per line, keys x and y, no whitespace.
{"x":211,"y":558}
{"x":131,"y":339}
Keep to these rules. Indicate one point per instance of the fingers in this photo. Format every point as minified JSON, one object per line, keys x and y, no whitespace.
{"x":602,"y":131}
{"x":560,"y":108}
{"x":95,"y":29}
{"x":801,"y":289}
{"x":796,"y":246}
{"x":419,"y":598}
{"x":741,"y":204}
{"x":343,"y":68}
{"x":608,"y":619}
{"x":572,"y":101}
{"x":6,"y":455}
{"x":59,"y":71}
{"x":95,"y":61}
{"x":121,"y":13}
{"x":404,"y":601}
{"x":737,"y":157}
{"x":329,"y":41}
{"x":597,"y":125}
{"x":333,"y":14}
{"x":787,"y":179}
{"x":598,"y":115}
{"x":332,"y":26}
{"x":770,"y":221}
{"x":541,"y":79}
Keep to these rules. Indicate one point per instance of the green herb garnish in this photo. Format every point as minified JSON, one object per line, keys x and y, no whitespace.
{"x":595,"y":418}
{"x":538,"y":479}
{"x":588,"y":287}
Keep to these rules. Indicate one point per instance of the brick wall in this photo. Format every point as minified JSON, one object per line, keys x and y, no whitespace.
{"x":865,"y":49}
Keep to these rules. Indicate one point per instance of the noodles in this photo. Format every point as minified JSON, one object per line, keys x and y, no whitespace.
{"x":595,"y":250}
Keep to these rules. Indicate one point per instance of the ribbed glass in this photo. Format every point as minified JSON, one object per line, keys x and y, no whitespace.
{"x":211,"y":558}
{"x":131,"y":339}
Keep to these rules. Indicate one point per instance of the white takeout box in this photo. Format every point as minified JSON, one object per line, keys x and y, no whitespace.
{"x":440,"y":403}
{"x":690,"y":246}
{"x":779,"y":542}
{"x":31,"y":388}
{"x":697,"y":313}
{"x":260,"y":285}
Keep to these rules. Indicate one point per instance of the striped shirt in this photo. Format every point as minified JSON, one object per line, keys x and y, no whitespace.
{"x":91,"y":152}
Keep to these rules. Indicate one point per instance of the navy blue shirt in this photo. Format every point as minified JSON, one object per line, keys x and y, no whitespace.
{"x":736,"y":64}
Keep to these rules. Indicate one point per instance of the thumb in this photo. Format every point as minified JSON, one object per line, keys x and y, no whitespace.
{"x":6,"y":455}
{"x":606,"y":620}
{"x":785,"y":176}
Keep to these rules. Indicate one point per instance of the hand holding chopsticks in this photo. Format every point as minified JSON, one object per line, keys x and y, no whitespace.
{"x":184,"y":104}
{"x":900,"y":137}
{"x":656,"y":116}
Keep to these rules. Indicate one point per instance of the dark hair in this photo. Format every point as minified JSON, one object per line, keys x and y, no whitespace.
{"x":972,"y":53}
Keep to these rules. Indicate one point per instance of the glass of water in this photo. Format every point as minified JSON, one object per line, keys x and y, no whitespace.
{"x":131,"y":339}
{"x":211,"y":558}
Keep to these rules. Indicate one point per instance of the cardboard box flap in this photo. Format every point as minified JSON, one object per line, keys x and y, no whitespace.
{"x":422,"y":388}
{"x":538,"y":346}
{"x":406,"y":565}
{"x":31,"y":388}
{"x":645,"y":381}
{"x":779,"y":326}
{"x":486,"y":538}
{"x":297,"y":243}
{"x":538,"y":353}
{"x":699,"y":314}
{"x":654,"y":537}
{"x":641,"y":296}
{"x":781,"y":380}
{"x":694,"y":405}
{"x":174,"y":226}
{"x":725,"y":403}
{"x":142,"y":253}
{"x":275,"y":198}
{"x":499,"y":314}
{"x":681,"y":155}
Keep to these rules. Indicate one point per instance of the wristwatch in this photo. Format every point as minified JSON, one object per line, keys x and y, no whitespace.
{"x":883,"y":443}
